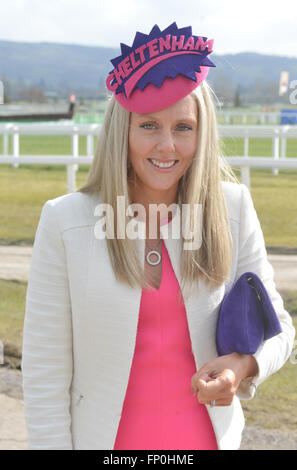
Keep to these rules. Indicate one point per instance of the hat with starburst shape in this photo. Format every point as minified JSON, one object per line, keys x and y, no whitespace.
{"x":159,"y":69}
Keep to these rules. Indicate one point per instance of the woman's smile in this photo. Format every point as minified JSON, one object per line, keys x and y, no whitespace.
{"x":163,"y":166}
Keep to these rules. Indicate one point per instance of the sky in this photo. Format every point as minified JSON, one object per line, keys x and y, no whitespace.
{"x":264,"y":26}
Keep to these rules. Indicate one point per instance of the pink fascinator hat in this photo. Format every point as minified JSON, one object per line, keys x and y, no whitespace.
{"x":159,"y":69}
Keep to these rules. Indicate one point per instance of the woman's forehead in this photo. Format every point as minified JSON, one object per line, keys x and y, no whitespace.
{"x":186,"y":108}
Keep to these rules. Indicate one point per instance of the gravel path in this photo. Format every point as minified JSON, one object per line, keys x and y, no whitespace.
{"x":13,"y":434}
{"x":15,"y":263}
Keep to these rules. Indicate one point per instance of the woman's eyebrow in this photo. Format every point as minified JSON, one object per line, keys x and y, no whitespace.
{"x":146,"y":116}
{"x":154,"y":118}
{"x":187,"y":119}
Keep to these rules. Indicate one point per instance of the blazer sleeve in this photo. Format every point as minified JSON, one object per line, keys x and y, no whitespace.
{"x":252,"y":256}
{"x":47,"y":360}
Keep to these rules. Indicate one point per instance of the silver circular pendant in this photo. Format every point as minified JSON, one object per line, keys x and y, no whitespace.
{"x":153,"y":263}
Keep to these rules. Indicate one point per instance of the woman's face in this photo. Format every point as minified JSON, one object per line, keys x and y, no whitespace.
{"x":165,"y":137}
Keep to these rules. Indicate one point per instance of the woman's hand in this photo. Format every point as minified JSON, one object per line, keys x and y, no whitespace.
{"x":219,"y":378}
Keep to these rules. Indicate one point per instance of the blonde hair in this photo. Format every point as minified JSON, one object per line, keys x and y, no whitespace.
{"x":201,"y":184}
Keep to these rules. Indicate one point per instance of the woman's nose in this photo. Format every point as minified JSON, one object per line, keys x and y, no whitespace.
{"x":166,"y":142}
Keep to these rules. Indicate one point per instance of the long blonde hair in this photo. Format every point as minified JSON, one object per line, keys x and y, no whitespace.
{"x":201,"y":184}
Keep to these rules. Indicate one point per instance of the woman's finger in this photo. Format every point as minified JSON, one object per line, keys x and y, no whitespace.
{"x":222,"y":398}
{"x":216,"y":389}
{"x":211,"y":389}
{"x":198,"y":382}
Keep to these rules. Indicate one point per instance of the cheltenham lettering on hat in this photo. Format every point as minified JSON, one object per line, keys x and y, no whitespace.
{"x":159,"y":68}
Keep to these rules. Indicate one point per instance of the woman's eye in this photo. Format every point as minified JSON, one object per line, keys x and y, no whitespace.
{"x":147,"y":125}
{"x":184,"y":127}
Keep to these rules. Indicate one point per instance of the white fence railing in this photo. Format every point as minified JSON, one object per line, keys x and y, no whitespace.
{"x":253,"y":117}
{"x":276,"y":133}
{"x":71,"y":130}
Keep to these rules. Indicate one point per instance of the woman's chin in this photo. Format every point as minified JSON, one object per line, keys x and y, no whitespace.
{"x":163,"y":187}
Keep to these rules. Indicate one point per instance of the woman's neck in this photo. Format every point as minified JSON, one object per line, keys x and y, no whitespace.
{"x":148,"y":197}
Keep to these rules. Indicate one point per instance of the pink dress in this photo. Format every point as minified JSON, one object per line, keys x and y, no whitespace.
{"x":159,"y":411}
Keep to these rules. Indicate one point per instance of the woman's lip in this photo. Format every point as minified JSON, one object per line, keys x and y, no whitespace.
{"x":163,"y":161}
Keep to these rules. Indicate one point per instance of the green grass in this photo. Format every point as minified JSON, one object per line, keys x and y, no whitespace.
{"x":12,"y":309}
{"x":24,"y":190}
{"x":275,"y":201}
{"x":61,"y":145}
{"x":47,"y":145}
{"x":274,"y":407}
{"x":257,"y":147}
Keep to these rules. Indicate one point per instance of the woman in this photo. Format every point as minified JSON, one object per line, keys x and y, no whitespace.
{"x":121,"y":314}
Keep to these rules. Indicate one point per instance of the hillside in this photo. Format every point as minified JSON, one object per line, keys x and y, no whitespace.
{"x":68,"y":67}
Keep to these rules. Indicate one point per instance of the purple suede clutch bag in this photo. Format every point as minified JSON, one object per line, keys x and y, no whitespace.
{"x":246,"y":318}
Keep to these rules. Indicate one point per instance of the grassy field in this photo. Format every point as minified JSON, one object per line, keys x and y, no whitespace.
{"x":61,"y":145}
{"x":24,"y":190}
{"x":12,"y":310}
{"x":274,"y":406}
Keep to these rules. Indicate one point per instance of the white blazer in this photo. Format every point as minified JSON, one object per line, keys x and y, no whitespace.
{"x":81,"y":323}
